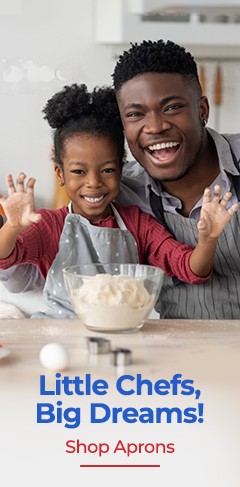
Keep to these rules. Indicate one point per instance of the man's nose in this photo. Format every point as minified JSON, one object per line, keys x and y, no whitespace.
{"x":156,"y":123}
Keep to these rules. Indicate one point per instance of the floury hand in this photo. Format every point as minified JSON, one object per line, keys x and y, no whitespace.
{"x":214,"y":215}
{"x":19,"y":204}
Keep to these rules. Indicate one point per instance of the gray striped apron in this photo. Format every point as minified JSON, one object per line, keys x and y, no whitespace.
{"x":83,"y":243}
{"x":217,"y":298}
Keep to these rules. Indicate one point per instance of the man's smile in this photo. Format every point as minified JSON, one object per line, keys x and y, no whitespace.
{"x":163,"y":151}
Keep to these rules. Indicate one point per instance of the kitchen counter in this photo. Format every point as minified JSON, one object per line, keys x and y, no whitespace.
{"x":160,"y":343}
{"x":206,"y":352}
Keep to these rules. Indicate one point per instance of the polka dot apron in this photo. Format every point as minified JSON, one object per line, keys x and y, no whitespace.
{"x":83,"y":243}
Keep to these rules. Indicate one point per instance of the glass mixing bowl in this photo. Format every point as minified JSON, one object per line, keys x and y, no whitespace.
{"x":113,"y":298}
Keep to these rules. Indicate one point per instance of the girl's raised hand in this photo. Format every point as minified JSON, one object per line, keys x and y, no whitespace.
{"x":214,"y":215}
{"x":19,"y":204}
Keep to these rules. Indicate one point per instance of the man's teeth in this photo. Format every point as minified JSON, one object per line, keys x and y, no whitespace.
{"x":163,"y":145}
{"x":93,"y":200}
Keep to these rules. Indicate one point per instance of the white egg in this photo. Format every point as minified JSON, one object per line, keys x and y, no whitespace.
{"x":54,"y":357}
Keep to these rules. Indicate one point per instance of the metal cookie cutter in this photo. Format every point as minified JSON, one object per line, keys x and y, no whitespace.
{"x":97,"y":345}
{"x":121,"y":356}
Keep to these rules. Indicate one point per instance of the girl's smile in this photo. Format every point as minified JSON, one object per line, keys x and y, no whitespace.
{"x":91,"y":174}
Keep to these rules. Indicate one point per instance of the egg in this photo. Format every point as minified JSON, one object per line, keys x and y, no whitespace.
{"x":54,"y":357}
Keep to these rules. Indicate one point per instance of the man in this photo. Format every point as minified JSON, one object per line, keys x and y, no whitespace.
{"x":164,"y":117}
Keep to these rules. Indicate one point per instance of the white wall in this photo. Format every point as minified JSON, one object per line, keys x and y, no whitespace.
{"x":225,"y":117}
{"x":48,"y":32}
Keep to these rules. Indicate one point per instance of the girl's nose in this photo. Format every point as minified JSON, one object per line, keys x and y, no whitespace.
{"x":156,"y":123}
{"x":93,"y":180}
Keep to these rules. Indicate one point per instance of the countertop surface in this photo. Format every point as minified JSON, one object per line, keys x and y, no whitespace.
{"x":205,"y":352}
{"x":159,"y":345}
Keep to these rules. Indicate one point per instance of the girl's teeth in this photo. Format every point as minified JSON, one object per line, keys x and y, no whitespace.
{"x":93,"y":200}
{"x":163,"y":145}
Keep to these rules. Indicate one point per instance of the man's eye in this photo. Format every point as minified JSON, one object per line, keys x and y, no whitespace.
{"x":172,"y":107}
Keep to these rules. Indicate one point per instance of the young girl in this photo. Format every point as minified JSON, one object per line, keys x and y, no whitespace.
{"x":88,"y":160}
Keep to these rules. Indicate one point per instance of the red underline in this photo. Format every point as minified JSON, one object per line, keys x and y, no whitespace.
{"x":119,"y":465}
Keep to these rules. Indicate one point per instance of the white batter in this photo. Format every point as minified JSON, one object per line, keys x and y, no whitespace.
{"x":112,"y":302}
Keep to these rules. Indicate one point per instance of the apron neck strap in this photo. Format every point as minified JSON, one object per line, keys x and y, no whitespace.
{"x":119,"y":219}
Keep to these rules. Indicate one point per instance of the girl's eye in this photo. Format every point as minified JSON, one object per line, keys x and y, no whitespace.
{"x":134,"y":114}
{"x":78,"y":171}
{"x":108,"y":170}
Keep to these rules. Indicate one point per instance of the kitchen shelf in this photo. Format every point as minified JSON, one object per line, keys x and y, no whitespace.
{"x":116,"y":24}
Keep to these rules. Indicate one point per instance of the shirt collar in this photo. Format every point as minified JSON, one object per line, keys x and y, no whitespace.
{"x":152,"y":184}
{"x":224,"y":152}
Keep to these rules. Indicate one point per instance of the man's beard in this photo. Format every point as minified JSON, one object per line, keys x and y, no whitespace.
{"x":189,"y":166}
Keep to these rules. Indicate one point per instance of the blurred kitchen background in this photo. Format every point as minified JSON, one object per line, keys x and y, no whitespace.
{"x":46,"y":44}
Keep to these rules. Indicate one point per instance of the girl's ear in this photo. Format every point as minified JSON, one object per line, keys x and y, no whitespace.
{"x":59,"y":174}
{"x":121,"y":170}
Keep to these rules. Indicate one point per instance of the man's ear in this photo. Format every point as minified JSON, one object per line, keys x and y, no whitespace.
{"x":204,"y":109}
{"x":59,"y":174}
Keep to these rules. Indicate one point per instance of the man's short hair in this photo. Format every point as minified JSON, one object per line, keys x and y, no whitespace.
{"x":155,"y":57}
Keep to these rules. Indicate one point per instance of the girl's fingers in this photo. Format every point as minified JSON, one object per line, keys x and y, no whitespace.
{"x":206,"y":196}
{"x":225,"y":199}
{"x":201,"y":225}
{"x":30,"y":185}
{"x":217,"y":196}
{"x":217,"y":193}
{"x":20,"y":182}
{"x":35,"y":217}
{"x":10,"y":185}
{"x":233,"y":209}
